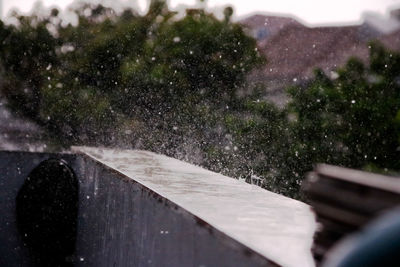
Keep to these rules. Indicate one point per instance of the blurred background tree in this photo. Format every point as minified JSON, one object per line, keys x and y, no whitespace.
{"x":178,"y":86}
{"x":114,"y":70}
{"x":352,"y":120}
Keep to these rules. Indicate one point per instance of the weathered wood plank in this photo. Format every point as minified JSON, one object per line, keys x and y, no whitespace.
{"x":345,"y":200}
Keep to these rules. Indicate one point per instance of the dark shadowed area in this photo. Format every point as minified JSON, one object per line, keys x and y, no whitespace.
{"x":47,"y":210}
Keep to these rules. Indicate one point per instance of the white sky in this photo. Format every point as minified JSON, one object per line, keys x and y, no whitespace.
{"x":309,"y":11}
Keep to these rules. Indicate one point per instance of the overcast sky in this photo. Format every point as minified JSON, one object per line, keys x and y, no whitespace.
{"x":309,"y":11}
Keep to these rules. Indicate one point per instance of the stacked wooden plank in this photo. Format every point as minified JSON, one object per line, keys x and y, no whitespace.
{"x":345,"y":200}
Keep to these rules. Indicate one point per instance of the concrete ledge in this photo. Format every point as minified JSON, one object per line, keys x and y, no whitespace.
{"x":137,"y":208}
{"x":277,"y":228}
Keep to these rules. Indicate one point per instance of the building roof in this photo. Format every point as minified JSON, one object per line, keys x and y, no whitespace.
{"x":294,"y":50}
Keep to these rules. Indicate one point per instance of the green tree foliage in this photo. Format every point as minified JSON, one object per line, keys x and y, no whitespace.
{"x":351,"y":120}
{"x":123,"y":73}
{"x":25,"y":55}
{"x":178,"y":86}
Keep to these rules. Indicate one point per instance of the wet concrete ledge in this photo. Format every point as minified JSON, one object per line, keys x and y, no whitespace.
{"x":137,"y":208}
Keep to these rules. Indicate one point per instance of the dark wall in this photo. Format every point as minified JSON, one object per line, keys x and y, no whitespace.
{"x":126,"y":224}
{"x":120,"y":222}
{"x":14,"y":168}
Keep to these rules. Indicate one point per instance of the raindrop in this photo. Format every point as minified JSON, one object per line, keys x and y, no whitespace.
{"x":334,"y":75}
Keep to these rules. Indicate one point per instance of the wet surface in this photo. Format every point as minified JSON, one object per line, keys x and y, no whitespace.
{"x":277,"y":227}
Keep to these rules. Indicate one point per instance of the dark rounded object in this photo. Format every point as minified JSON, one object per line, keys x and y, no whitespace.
{"x":47,"y":209}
